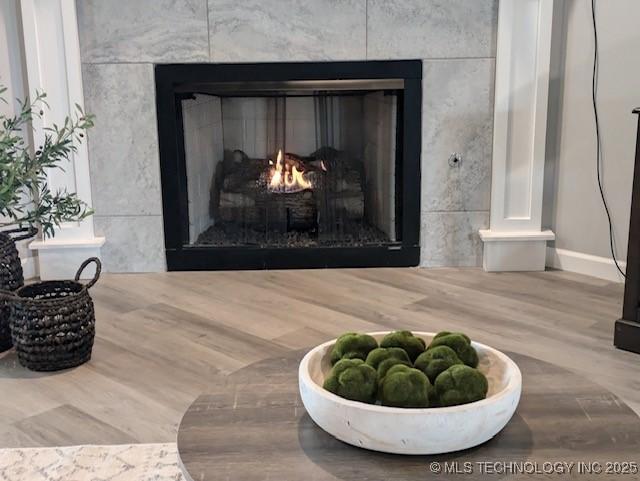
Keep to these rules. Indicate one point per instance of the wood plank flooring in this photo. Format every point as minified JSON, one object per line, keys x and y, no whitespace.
{"x":163,"y":339}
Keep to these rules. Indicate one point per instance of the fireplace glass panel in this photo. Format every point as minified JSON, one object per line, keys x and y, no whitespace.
{"x":298,"y":167}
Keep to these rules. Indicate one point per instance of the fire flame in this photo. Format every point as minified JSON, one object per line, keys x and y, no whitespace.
{"x":287,"y":178}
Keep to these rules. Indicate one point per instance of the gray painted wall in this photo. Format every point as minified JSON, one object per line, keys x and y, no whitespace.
{"x":120,"y":41}
{"x":573,"y":208}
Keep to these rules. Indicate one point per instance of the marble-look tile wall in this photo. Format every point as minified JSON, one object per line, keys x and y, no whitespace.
{"x":124,"y":164}
{"x":457,"y":116}
{"x":120,"y":40}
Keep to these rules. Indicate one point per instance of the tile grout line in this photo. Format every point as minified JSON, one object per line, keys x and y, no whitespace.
{"x":125,"y":62}
{"x":366,"y":29}
{"x":208,"y":30}
{"x":126,"y":215}
{"x":129,"y":62}
{"x":441,"y":211}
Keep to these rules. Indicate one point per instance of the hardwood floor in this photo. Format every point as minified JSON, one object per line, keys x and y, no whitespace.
{"x":163,"y":339}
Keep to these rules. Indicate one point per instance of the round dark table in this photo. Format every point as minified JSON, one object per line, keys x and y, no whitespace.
{"x":255,"y":428}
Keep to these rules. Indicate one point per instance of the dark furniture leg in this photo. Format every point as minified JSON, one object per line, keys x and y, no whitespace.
{"x":627,"y":330}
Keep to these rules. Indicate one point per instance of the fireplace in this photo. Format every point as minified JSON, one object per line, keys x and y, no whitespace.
{"x":290,"y":165}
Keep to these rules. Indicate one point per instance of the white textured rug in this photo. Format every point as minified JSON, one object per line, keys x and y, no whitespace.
{"x":129,"y":462}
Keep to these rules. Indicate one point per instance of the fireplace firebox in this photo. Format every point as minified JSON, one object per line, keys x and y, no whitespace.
{"x":290,"y":165}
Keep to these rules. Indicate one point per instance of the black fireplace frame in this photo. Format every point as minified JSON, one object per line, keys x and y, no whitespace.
{"x":181,"y":256}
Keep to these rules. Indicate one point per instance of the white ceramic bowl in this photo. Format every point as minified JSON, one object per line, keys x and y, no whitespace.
{"x":412,"y":431}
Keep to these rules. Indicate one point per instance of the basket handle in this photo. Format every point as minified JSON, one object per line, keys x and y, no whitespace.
{"x":28,"y":232}
{"x":96,"y":275}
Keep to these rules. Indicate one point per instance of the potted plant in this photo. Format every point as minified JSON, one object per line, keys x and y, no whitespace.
{"x":26,"y":202}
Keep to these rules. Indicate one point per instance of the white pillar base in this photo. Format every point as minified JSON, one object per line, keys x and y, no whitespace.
{"x":515,"y":251}
{"x":61,"y":259}
{"x":29,"y":268}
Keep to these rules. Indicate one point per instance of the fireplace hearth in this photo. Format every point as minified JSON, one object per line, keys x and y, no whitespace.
{"x":294,"y":165}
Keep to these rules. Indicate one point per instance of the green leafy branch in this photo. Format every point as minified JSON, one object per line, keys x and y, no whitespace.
{"x":25,"y":198}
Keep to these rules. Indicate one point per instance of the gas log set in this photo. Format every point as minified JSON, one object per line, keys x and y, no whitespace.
{"x":290,"y":200}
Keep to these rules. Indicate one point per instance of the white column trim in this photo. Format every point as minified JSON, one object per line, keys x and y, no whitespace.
{"x":52,"y":51}
{"x":515,"y":239}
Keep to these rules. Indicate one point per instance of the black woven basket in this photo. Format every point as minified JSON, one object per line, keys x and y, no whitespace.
{"x":10,"y":276}
{"x":53,"y":322}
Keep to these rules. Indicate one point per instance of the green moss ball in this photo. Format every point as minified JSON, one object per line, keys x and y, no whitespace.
{"x":387,"y":364}
{"x":413,"y":345}
{"x":460,"y":343}
{"x":383,"y":358}
{"x":352,"y":346}
{"x":436,"y":360}
{"x":460,"y":384}
{"x":446,"y":333}
{"x":404,"y":387}
{"x":353,"y":379}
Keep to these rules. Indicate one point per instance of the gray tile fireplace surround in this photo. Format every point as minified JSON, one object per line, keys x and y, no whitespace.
{"x":121,"y":40}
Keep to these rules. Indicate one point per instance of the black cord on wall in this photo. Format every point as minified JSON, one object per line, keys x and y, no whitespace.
{"x":594,"y":90}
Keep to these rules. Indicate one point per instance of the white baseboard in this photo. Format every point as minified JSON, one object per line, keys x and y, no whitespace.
{"x":595,"y":266}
